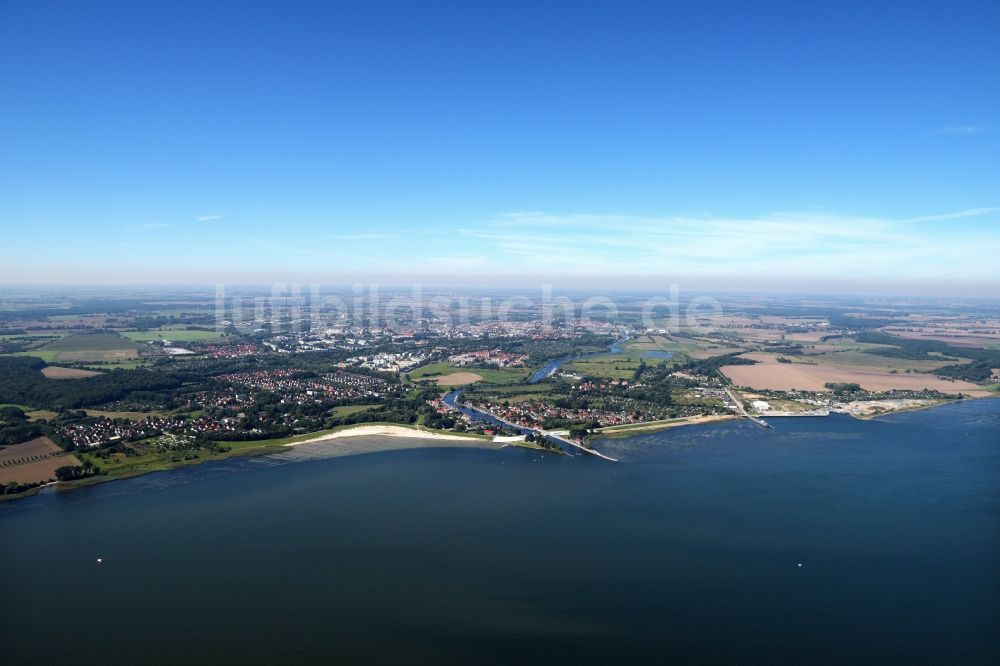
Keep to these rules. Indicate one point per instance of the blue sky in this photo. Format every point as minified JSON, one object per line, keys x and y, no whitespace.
{"x":718,"y":143}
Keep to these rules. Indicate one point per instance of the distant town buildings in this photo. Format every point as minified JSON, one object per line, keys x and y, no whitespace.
{"x":489,"y":357}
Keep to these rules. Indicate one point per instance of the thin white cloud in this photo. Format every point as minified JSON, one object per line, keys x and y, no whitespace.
{"x":972,"y":212}
{"x":209,"y":218}
{"x":964,"y":129}
{"x":533,"y":218}
{"x":802,"y":244}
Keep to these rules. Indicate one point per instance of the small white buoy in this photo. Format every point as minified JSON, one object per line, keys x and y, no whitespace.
{"x":99,"y":561}
{"x":800,"y":564}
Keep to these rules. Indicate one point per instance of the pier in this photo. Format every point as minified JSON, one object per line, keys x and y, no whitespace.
{"x":579,"y":446}
{"x":741,"y":412}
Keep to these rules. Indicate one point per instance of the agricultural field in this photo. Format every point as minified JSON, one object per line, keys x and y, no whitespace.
{"x":814,"y":377}
{"x":56,"y":372}
{"x":47,"y":356}
{"x":715,"y":350}
{"x":86,"y":347}
{"x":653,"y":343}
{"x":859,"y":358}
{"x":955,"y":340}
{"x":40,"y":414}
{"x":680,"y":347}
{"x":33,"y":461}
{"x":955,"y":331}
{"x":174,"y":335}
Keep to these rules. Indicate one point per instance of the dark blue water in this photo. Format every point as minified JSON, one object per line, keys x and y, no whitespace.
{"x":688,"y":550}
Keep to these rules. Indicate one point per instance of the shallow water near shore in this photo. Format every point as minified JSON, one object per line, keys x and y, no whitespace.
{"x":689,"y":549}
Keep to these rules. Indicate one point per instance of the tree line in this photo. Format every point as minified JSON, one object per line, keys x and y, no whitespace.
{"x":21,"y":382}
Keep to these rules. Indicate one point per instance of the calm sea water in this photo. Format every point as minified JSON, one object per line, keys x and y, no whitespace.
{"x":687,"y":550}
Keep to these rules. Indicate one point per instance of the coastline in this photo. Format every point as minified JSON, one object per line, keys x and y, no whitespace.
{"x":917,"y":408}
{"x":367,"y":438}
{"x":391,"y":430}
{"x":400,"y":432}
{"x":619,"y":432}
{"x":254,"y":448}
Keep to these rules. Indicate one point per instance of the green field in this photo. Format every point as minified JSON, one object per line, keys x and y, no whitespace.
{"x":622,"y":365}
{"x":852,"y":357}
{"x":348,"y":410}
{"x":23,"y":408}
{"x":47,"y":356}
{"x":32,"y":413}
{"x":119,"y":465}
{"x":529,"y":397}
{"x":489,"y":375}
{"x":612,"y":366}
{"x":84,"y":348}
{"x":90,"y":342}
{"x":644,"y":343}
{"x":151,"y":459}
{"x":516,"y":392}
{"x":677,"y":345}
{"x":173,"y":335}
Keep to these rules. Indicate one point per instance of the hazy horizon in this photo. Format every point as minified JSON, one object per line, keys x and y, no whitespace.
{"x":537,"y":284}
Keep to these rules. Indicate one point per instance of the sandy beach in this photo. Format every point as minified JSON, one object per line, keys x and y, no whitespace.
{"x":377,"y":438}
{"x":656,"y":426}
{"x":392,"y":431}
